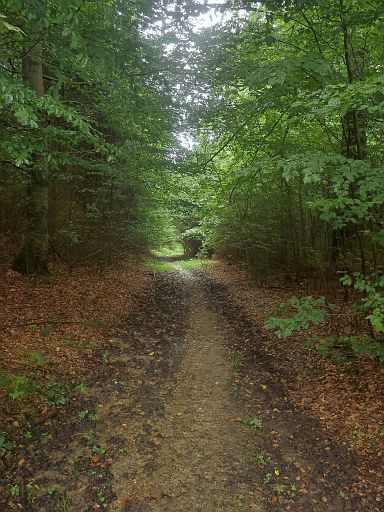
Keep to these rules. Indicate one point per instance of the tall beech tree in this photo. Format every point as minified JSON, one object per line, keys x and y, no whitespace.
{"x":87,"y":122}
{"x":33,"y":256}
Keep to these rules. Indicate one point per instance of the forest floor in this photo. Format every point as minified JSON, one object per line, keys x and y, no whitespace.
{"x":176,"y":400}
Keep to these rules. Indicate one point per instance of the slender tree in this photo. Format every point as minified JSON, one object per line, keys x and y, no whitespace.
{"x":33,"y":256}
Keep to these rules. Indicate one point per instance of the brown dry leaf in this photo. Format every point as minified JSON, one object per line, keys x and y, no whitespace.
{"x":62,"y":318}
{"x":127,"y":503}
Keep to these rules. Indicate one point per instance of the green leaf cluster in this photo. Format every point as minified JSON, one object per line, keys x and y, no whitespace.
{"x":344,"y":348}
{"x":371,"y":303}
{"x":307,"y":311}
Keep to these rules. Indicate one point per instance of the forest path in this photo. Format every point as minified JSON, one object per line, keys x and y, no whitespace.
{"x":157,"y":426}
{"x":186,"y":411}
{"x":203,"y":459}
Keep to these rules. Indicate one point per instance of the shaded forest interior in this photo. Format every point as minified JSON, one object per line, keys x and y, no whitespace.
{"x":250,"y":131}
{"x":247,"y":133}
{"x":258,"y":137}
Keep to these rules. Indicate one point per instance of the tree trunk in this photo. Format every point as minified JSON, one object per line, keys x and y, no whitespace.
{"x":354,"y":121}
{"x":354,"y":138}
{"x":33,"y":256}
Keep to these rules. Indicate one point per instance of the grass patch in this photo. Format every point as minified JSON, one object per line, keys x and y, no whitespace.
{"x":159,"y":266}
{"x":17,"y":386}
{"x":194,"y":263}
{"x":71,"y":341}
{"x":169,"y":251}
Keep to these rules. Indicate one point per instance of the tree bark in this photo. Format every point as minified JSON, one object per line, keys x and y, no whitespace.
{"x":33,"y":256}
{"x":353,"y":123}
{"x":354,"y":138}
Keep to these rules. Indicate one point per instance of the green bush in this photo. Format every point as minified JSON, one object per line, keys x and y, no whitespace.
{"x":344,"y":348}
{"x":5,"y":446}
{"x":56,"y":393}
{"x":306,"y":311}
{"x":372,"y":300}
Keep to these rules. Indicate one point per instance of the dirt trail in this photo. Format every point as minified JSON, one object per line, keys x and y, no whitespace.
{"x":203,"y":461}
{"x":157,"y":426}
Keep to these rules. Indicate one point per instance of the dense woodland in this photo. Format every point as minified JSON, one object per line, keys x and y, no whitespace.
{"x":182,"y":183}
{"x":281,"y":103}
{"x":87,"y":120}
{"x":294,"y":125}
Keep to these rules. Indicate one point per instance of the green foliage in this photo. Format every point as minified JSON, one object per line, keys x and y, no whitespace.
{"x":17,"y":386}
{"x":100,"y":450}
{"x":173,"y":249}
{"x":56,"y":393}
{"x":15,"y":490}
{"x":5,"y":446}
{"x":101,"y":498}
{"x":267,"y":478}
{"x":343,"y":348}
{"x":261,"y":459}
{"x":20,"y":386}
{"x":192,"y":240}
{"x":35,"y":357}
{"x":371,"y":302}
{"x":32,"y":489}
{"x":253,"y":422}
{"x":279,"y":489}
{"x":307,"y":311}
{"x":87,"y":414}
{"x":193,"y":263}
{"x":155,"y":265}
{"x":72,"y":341}
{"x":81,"y":387}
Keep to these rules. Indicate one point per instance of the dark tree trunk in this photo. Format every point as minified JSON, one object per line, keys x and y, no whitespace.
{"x":33,"y":256}
{"x":354,"y":137}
